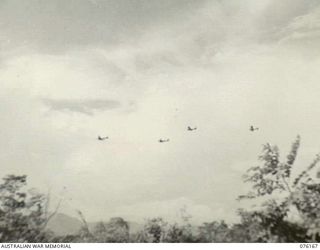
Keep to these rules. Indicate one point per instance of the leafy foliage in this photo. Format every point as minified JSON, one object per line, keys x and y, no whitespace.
{"x":116,"y":231}
{"x":154,"y":231}
{"x":301,"y":197}
{"x":214,"y":232}
{"x":22,"y":217}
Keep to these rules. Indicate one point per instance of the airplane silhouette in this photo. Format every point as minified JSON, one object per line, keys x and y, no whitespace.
{"x":191,"y":129}
{"x":253,"y":128}
{"x":161,"y":140}
{"x":102,"y":138}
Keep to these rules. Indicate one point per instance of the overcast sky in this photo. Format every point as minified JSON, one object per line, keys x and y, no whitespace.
{"x":141,"y":70}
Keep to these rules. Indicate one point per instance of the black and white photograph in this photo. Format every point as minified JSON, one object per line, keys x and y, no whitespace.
{"x":159,"y":121}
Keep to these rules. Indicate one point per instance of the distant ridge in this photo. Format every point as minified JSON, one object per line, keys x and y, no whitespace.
{"x":62,"y":224}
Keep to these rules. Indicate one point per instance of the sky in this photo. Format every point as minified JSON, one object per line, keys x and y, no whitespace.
{"x":140,"y":70}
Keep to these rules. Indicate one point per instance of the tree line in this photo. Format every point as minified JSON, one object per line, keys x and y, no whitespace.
{"x":288,"y":211}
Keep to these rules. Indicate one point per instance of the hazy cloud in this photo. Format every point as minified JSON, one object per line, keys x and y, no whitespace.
{"x":87,"y":107}
{"x":276,"y":16}
{"x":303,"y":29}
{"x":58,"y":25}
